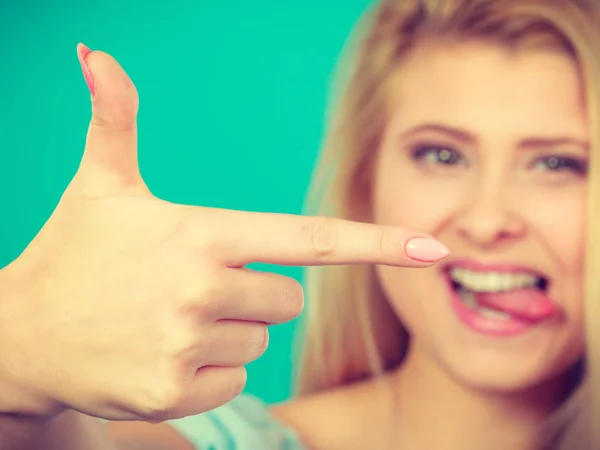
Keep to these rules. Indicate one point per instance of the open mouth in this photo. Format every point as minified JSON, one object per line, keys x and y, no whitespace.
{"x":502,"y":295}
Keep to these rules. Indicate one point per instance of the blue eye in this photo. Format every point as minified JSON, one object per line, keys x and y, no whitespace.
{"x":561,"y":164}
{"x":435,"y":155}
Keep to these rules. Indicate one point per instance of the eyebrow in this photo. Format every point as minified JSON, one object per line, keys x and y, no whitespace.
{"x":532,"y":143}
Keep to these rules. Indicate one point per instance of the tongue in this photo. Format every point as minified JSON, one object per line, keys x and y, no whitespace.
{"x":529,"y":304}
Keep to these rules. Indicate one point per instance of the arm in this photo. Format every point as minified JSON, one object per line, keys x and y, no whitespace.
{"x":67,"y":431}
{"x":74,"y":431}
{"x":147,"y":436}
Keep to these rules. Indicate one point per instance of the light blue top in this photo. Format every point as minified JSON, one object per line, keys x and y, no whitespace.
{"x":242,"y":424}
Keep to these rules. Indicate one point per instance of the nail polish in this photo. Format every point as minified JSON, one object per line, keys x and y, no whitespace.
{"x":426,"y":249}
{"x":82,"y":52}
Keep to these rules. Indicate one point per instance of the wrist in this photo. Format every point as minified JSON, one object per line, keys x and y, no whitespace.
{"x":69,"y":430}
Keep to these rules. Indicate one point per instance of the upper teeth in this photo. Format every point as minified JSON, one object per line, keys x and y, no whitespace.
{"x":492,"y":281}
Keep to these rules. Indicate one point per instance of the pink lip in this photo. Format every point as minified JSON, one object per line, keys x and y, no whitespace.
{"x":515,"y":325}
{"x":478,"y":266}
{"x":485,"y":325}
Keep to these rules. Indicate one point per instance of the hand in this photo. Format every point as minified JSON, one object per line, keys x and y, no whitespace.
{"x":128,"y":307}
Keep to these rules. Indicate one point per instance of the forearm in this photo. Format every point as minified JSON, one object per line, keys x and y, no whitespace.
{"x":67,"y":431}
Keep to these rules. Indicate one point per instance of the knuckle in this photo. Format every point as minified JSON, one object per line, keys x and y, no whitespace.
{"x":323,"y":236}
{"x":384,"y":243}
{"x":161,"y":403}
{"x":155,"y":417}
{"x":202,"y":230}
{"x":116,"y":122}
{"x":120,"y":114}
{"x":172,"y":338}
{"x":208,"y":300}
{"x":200,"y":291}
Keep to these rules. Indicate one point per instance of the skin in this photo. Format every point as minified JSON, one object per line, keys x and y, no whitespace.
{"x":501,"y":202}
{"x":146,"y":309}
{"x":504,"y":205}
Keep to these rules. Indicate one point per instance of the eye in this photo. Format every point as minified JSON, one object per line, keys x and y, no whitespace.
{"x":558,"y":164}
{"x":437,"y":155}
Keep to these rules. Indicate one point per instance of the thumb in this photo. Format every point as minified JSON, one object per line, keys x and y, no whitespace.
{"x":110,"y":161}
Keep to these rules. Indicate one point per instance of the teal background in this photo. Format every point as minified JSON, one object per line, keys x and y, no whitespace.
{"x":232,"y":100}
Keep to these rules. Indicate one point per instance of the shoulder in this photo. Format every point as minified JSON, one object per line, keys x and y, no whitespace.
{"x":245,"y":423}
{"x":345,"y":417}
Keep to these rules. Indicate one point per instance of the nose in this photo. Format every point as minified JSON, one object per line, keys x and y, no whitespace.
{"x":490,"y":217}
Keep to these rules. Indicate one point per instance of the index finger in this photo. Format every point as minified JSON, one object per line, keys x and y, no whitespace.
{"x":308,"y":241}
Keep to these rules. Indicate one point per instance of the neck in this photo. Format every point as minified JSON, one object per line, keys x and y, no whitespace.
{"x":435,"y":411}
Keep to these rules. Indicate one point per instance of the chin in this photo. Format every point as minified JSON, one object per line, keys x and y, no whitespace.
{"x":506,"y":333}
{"x":495,"y":329}
{"x":492,"y":373}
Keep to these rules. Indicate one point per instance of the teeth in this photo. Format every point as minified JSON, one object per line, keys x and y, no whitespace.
{"x":492,"y":281}
{"x":493,"y":314}
{"x":468,"y":298}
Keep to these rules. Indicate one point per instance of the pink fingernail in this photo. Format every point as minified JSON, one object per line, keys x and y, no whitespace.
{"x":426,"y":250}
{"x":82,"y":52}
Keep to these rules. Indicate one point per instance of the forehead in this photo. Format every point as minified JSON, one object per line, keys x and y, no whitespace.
{"x":488,"y":90}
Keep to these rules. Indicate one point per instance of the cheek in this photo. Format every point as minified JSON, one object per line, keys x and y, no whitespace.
{"x":413,"y":294}
{"x":404,"y":197}
{"x":557,"y":219}
{"x":558,"y":222}
{"x":426,"y":208}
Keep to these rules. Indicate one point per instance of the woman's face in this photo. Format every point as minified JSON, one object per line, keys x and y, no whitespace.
{"x":487,"y":151}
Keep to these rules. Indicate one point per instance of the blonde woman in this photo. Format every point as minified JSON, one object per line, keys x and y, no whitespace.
{"x":474,"y":121}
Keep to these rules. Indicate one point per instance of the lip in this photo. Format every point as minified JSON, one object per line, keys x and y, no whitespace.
{"x":485,"y":325}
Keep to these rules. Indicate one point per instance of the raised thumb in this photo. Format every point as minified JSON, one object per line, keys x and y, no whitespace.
{"x":110,"y":161}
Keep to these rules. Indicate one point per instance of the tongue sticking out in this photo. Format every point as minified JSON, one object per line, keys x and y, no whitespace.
{"x":528,"y":304}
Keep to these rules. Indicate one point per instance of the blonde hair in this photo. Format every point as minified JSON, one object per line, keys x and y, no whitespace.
{"x":351,"y":332}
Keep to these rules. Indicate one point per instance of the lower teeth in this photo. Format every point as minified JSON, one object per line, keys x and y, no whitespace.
{"x":468,"y":298}
{"x":493,"y":314}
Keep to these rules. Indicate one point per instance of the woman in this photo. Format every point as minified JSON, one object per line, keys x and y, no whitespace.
{"x":473,"y":121}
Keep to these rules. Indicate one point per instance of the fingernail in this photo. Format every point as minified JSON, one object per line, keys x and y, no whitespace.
{"x":426,"y":249}
{"x":82,"y":52}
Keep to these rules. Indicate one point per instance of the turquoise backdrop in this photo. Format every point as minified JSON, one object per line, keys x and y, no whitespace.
{"x":232,"y":99}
